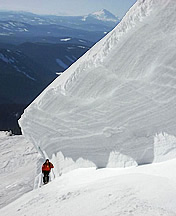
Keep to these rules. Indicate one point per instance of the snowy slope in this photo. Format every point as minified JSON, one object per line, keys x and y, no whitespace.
{"x":116,"y":105}
{"x":18,"y":167}
{"x":141,"y":191}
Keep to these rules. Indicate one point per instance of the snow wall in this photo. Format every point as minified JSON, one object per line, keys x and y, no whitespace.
{"x":116,"y":105}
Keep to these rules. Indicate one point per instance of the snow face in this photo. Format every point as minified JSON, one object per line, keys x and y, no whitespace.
{"x":110,"y":107}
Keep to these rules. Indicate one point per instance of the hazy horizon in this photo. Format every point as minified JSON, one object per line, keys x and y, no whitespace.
{"x":67,"y":7}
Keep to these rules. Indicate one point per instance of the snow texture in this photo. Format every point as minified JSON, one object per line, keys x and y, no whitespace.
{"x":18,"y":167}
{"x":141,"y":191}
{"x":116,"y":105}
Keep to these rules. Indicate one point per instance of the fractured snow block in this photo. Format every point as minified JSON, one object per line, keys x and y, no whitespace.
{"x":65,"y":164}
{"x":116,"y":159}
{"x":164,"y":147}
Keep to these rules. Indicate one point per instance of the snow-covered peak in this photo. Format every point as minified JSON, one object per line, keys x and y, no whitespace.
{"x":104,"y":15}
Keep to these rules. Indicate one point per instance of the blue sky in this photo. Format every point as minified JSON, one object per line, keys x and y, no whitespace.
{"x":68,"y":7}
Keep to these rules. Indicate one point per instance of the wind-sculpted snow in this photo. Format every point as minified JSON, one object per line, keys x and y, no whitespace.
{"x":18,"y":167}
{"x":116,"y":105}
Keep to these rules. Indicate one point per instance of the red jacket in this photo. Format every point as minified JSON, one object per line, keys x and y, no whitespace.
{"x":47,"y":167}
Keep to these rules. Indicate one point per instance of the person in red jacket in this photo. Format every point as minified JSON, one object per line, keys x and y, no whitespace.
{"x":46,"y":168}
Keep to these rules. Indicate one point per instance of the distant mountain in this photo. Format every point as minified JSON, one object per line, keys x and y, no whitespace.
{"x":19,"y":32}
{"x":32,"y":66}
{"x":26,"y":69}
{"x":98,"y":21}
{"x":55,"y":57}
{"x":34,"y":19}
{"x":104,"y":15}
{"x":21,"y":77}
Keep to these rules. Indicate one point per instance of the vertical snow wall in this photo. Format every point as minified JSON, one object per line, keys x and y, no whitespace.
{"x":116,"y":105}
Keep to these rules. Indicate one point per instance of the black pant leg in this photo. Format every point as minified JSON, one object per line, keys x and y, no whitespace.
{"x":46,"y":177}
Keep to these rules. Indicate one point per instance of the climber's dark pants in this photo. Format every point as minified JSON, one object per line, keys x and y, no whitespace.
{"x":46,"y":176}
